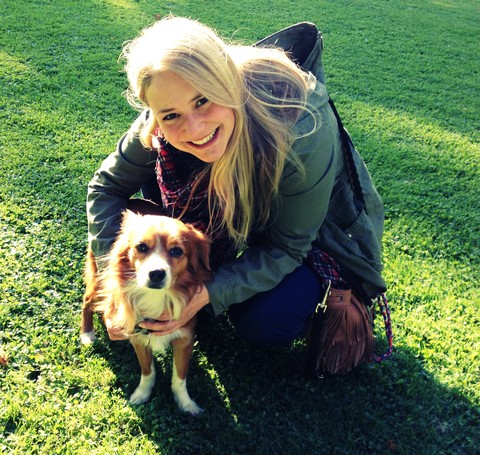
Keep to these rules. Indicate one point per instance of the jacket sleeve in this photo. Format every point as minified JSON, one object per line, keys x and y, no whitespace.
{"x":119,"y":177}
{"x":283,"y":246}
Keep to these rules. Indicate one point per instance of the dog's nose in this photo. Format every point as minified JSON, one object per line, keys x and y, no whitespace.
{"x":156,"y":277}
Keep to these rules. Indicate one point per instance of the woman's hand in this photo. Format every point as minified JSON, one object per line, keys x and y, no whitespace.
{"x":164,"y":326}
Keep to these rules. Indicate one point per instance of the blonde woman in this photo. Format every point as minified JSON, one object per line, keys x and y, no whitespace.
{"x":242,"y":142}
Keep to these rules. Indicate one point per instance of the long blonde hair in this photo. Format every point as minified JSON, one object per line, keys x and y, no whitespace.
{"x":265,"y":90}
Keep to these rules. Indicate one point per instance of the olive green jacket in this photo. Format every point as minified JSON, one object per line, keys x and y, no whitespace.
{"x":316,"y":208}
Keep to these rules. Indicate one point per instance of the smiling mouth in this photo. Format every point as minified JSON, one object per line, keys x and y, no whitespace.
{"x":206,"y":139}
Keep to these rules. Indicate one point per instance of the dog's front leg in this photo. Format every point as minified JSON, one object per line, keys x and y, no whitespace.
{"x":147,"y":379}
{"x":87,"y":333}
{"x":182,"y":353}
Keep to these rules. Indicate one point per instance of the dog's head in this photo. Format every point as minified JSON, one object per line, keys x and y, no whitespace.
{"x":156,"y":257}
{"x":163,"y":252}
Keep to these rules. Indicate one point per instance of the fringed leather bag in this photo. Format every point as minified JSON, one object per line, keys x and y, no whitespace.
{"x":340,"y":335}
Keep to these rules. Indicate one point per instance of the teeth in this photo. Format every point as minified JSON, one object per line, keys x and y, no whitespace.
{"x":205,"y":139}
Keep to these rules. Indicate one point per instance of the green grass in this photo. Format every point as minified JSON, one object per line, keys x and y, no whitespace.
{"x":404,"y":75}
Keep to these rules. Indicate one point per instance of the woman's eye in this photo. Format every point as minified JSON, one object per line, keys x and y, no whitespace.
{"x":175,"y":252}
{"x":142,"y":248}
{"x":170,"y":117}
{"x":201,"y":102}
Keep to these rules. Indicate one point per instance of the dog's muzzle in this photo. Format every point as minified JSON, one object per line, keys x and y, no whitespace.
{"x":156,"y":279}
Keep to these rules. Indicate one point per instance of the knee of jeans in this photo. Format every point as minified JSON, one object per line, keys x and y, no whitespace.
{"x":255,"y":337}
{"x":249,"y":327}
{"x":259,"y":331}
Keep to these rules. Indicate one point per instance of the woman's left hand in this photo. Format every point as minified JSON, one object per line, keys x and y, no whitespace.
{"x":164,"y":325}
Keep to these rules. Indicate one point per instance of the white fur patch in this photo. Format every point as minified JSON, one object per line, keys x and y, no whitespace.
{"x":151,"y":303}
{"x":159,"y":343}
{"x":87,"y":338}
{"x":144,"y":390}
{"x":181,"y":396}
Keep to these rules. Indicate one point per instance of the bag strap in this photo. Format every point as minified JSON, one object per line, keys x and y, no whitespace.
{"x":347,"y":146}
{"x":385,"y":310}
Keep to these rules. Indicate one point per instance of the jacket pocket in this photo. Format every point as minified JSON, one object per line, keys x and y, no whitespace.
{"x":359,"y":239}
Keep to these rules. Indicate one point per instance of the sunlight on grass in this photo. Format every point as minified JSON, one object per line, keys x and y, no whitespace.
{"x":210,"y":370}
{"x":11,"y":67}
{"x":402,"y":127}
{"x":428,"y":285}
{"x":125,"y":4}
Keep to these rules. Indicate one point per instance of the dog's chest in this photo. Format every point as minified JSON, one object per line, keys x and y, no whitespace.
{"x":160,"y":343}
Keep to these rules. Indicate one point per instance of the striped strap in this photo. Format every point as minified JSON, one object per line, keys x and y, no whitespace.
{"x":385,"y":310}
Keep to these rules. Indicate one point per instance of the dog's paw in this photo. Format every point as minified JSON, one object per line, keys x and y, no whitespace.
{"x":140,"y":396}
{"x":191,"y":407}
{"x":87,"y":338}
{"x":144,"y":390}
{"x":185,"y":403}
{"x":181,"y":396}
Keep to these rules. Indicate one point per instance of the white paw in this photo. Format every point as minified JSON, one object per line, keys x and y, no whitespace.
{"x":87,"y":338}
{"x":139,"y":396}
{"x":144,"y":390}
{"x":182,"y":398}
{"x":186,"y":404}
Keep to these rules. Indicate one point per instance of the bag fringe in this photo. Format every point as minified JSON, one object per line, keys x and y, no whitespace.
{"x":345,"y":334}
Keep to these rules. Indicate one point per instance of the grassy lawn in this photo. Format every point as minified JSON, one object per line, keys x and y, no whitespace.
{"x":405,"y":78}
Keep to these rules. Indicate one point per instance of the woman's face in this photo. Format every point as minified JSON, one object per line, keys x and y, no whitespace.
{"x":188,"y":120}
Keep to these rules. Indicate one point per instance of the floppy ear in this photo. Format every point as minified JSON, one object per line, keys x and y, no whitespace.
{"x":116,"y":273}
{"x":119,"y":251}
{"x":200,"y":247}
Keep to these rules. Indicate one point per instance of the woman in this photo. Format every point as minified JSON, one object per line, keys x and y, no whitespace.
{"x":241,"y":141}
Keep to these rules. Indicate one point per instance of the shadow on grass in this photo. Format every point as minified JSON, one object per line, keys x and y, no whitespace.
{"x":259,"y":401}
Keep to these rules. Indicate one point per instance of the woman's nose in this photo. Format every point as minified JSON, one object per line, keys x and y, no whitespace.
{"x":194,"y":125}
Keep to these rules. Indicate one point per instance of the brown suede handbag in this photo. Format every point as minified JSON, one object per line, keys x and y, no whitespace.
{"x":340,"y":336}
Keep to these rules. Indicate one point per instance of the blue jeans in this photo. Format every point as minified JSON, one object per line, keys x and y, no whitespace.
{"x":281,"y":314}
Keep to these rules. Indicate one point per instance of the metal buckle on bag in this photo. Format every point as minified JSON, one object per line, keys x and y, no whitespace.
{"x":323,"y":304}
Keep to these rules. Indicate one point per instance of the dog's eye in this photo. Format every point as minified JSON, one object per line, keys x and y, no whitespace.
{"x":175,"y":252}
{"x":142,"y":248}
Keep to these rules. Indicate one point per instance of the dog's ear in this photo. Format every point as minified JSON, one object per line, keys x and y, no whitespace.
{"x":128,"y":217}
{"x":200,"y":246}
{"x":119,"y":251}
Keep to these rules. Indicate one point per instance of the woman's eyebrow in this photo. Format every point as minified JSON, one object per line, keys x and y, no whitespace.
{"x":165,"y":111}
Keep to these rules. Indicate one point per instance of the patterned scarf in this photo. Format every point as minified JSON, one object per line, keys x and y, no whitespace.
{"x":183,"y":181}
{"x":326,"y":268}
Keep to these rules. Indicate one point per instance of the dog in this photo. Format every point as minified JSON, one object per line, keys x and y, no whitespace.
{"x":156,"y":264}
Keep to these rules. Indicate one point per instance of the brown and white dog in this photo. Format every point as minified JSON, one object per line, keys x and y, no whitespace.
{"x":156,"y":264}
